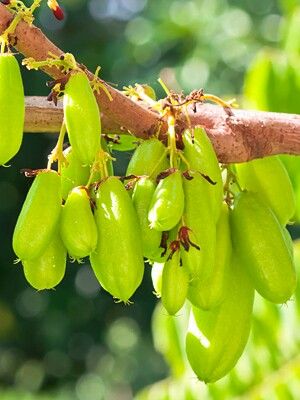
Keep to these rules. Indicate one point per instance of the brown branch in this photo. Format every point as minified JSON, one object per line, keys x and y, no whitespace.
{"x":238,"y":137}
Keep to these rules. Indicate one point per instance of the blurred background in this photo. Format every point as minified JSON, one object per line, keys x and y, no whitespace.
{"x":75,"y":342}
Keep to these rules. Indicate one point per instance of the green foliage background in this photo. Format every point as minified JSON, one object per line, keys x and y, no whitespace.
{"x":74,"y":342}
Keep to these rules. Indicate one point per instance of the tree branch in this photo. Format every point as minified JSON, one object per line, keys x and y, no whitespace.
{"x":238,"y":136}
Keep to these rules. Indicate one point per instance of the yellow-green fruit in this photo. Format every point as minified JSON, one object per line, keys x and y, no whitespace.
{"x":73,"y":173}
{"x":199,"y":217}
{"x":168,"y":337}
{"x":150,"y":158}
{"x":217,"y":338}
{"x":262,"y":246}
{"x":174,"y":284}
{"x":156,"y":276}
{"x":202,"y":158}
{"x":12,"y":107}
{"x":167,"y":203}
{"x":118,"y":259}
{"x":268,"y":178}
{"x":209,"y":293}
{"x":141,"y":198}
{"x":77,"y":224}
{"x":47,"y":270}
{"x":82,"y":117}
{"x":39,"y":216}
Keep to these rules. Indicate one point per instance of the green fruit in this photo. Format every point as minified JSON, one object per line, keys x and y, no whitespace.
{"x":156,"y":276}
{"x":200,"y":219}
{"x":77,"y":224}
{"x":288,"y":241}
{"x":202,"y":158}
{"x":141,"y":198}
{"x":82,"y":118}
{"x":268,"y":178}
{"x":168,"y":338}
{"x":174,"y":284}
{"x":262,"y":247}
{"x":48,"y":269}
{"x":73,"y":173}
{"x":217,"y":338}
{"x":208,"y":293}
{"x":167,"y":203}
{"x":118,"y":260}
{"x":150,"y":158}
{"x":12,"y":107}
{"x":39,"y":216}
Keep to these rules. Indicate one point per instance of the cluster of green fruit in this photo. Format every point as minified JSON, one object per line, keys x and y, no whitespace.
{"x":244,"y":246}
{"x":212,"y":235}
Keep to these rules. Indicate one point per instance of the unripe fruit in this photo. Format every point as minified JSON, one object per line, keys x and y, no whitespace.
{"x":217,"y":338}
{"x":118,"y":260}
{"x":150,"y":158}
{"x":174,"y":284}
{"x":48,"y":269}
{"x":77,"y":224}
{"x":263,"y":248}
{"x":167,"y":203}
{"x":208,"y":291}
{"x":168,"y":339}
{"x":156,"y":276}
{"x":73,"y":173}
{"x":82,"y":117}
{"x":12,"y":107}
{"x":202,"y":158}
{"x":268,"y":178}
{"x":200,"y":219}
{"x":39,"y":216}
{"x":141,"y":198}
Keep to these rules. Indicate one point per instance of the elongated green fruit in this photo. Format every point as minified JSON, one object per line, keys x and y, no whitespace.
{"x":48,"y":269}
{"x":217,"y":338}
{"x":39,"y":216}
{"x":167,"y":203}
{"x":156,"y":276}
{"x":73,"y":173}
{"x":77,"y":224}
{"x":118,"y":260}
{"x":150,"y":158}
{"x":209,"y":293}
{"x":174,"y":284}
{"x":268,"y":178}
{"x":168,"y":337}
{"x":201,"y":157}
{"x":141,"y":198}
{"x":262,"y":246}
{"x":82,"y":117}
{"x":288,"y":240}
{"x":12,"y":107}
{"x":200,"y":219}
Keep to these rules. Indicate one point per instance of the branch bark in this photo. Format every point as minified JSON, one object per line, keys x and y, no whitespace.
{"x":238,"y":137}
